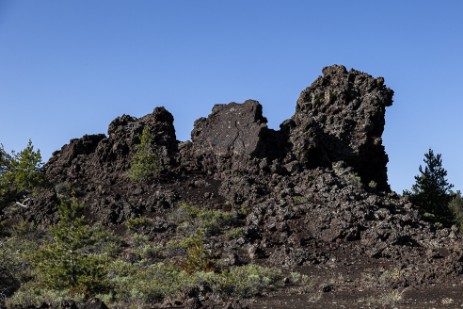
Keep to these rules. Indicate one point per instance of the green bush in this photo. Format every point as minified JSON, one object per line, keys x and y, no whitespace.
{"x":20,"y":173}
{"x":14,"y":265}
{"x":32,"y":295}
{"x":68,"y":262}
{"x":456,"y":207}
{"x":195,"y":256}
{"x":373,"y":185}
{"x":209,"y":222}
{"x":234,"y":233}
{"x":355,"y":181}
{"x":107,"y":241}
{"x":4,"y":160}
{"x":141,"y":284}
{"x":246,"y":281}
{"x":147,"y":284}
{"x":139,"y":223}
{"x":146,"y":163}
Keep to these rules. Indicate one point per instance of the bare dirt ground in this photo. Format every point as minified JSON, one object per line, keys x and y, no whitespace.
{"x":429,"y":297}
{"x":348,"y":281}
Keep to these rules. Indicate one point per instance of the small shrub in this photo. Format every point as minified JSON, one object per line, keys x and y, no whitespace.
{"x":213,"y":221}
{"x":196,"y":257}
{"x":245,"y":209}
{"x":146,"y":163}
{"x":108,"y":242}
{"x":209,"y":222}
{"x":447,"y":301}
{"x":234,"y":233}
{"x":11,"y":266}
{"x":246,"y":281}
{"x":137,"y":224}
{"x":373,"y":185}
{"x":355,"y":181}
{"x":139,"y":240}
{"x":33,"y":295}
{"x":149,"y":284}
{"x":299,"y":199}
{"x":63,"y":190}
{"x":68,"y":262}
{"x":300,"y":283}
{"x":2,"y":228}
{"x":136,"y":283}
{"x":456,"y":207}
{"x":387,"y":298}
{"x":23,"y":228}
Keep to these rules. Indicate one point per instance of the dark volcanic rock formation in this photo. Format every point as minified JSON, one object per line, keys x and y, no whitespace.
{"x":340,"y":117}
{"x":232,"y":130}
{"x":303,"y":194}
{"x":233,"y":133}
{"x":339,"y":121}
{"x":96,"y":167}
{"x":94,"y":158}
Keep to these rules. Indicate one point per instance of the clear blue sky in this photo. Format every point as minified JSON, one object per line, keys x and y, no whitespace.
{"x":67,"y":68}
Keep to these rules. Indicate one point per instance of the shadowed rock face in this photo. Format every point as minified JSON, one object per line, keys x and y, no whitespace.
{"x":97,"y":158}
{"x":231,"y":130}
{"x":234,"y":133}
{"x":340,"y":117}
{"x":338,"y":121}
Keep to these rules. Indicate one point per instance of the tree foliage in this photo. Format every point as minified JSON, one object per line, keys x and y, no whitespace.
{"x":432,"y":191}
{"x":20,"y":173}
{"x":456,"y":207}
{"x":4,"y":160}
{"x":145,"y":163}
{"x":68,"y":262}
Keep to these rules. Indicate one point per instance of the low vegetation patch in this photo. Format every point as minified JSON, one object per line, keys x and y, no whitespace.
{"x":75,"y":261}
{"x":209,"y":222}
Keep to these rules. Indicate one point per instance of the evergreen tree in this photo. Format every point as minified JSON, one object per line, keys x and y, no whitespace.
{"x":145,"y":163}
{"x":456,"y":207}
{"x":431,"y":192}
{"x":4,"y":160}
{"x":68,"y":262}
{"x":20,"y":173}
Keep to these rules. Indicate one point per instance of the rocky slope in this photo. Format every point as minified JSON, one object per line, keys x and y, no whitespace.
{"x":314,"y":192}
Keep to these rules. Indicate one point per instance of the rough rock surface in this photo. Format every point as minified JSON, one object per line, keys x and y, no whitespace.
{"x":232,"y":130}
{"x":313,"y":193}
{"x":96,"y":167}
{"x":340,"y":117}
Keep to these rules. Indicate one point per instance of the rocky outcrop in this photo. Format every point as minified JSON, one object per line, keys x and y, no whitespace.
{"x":233,"y":134}
{"x":95,"y":168}
{"x":340,"y":117}
{"x":313,"y":191}
{"x":232,"y":130}
{"x":339,"y":120}
{"x":96,"y":157}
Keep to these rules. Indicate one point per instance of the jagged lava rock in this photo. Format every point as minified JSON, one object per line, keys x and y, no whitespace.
{"x":340,"y":117}
{"x":93,"y":157}
{"x":233,"y":132}
{"x":230,"y":130}
{"x":293,"y":188}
